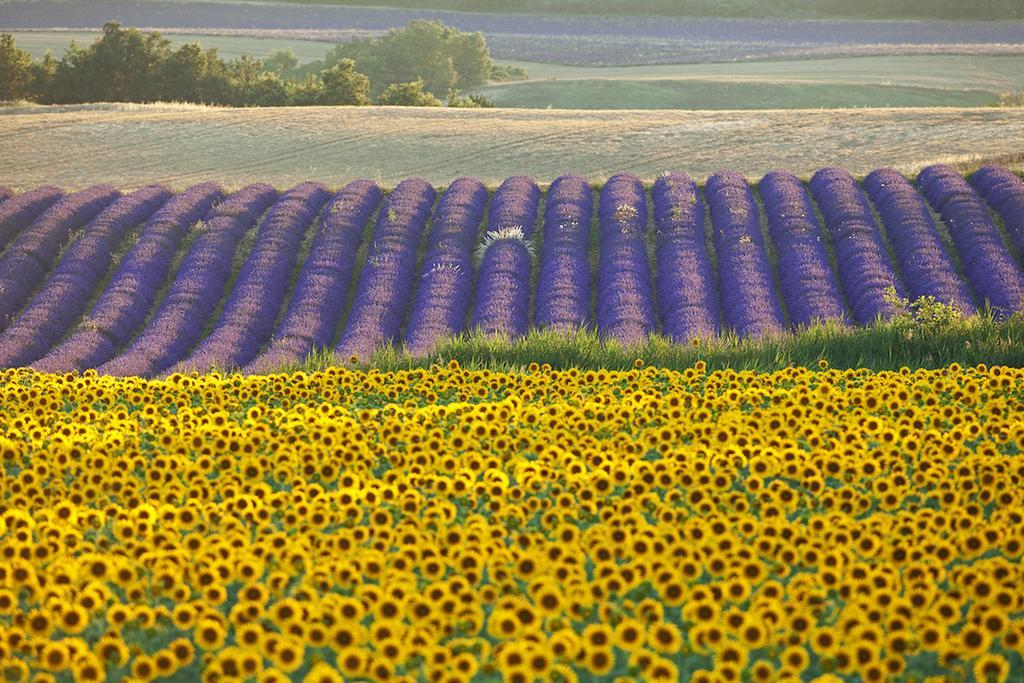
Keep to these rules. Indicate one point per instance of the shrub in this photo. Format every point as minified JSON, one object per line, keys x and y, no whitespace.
{"x":410,"y":94}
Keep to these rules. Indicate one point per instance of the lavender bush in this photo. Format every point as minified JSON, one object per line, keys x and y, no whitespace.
{"x":625,"y":306}
{"x":1004,"y":191}
{"x":750,"y":304}
{"x":67,"y":291}
{"x":24,"y":264}
{"x":863,"y":263}
{"x":806,"y":279}
{"x":563,"y":281}
{"x":989,"y":267}
{"x":252,"y":307}
{"x":197,"y":288}
{"x":18,"y":211}
{"x":129,"y":296}
{"x":386,"y":283}
{"x":57,"y":260}
{"x":927,"y":269}
{"x":445,"y":288}
{"x":319,"y":298}
{"x":503,"y":284}
{"x":687,"y":296}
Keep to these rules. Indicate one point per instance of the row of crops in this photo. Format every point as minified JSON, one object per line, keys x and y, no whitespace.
{"x":149,"y":282}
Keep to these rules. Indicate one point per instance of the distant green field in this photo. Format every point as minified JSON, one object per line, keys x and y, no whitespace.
{"x":37,"y":43}
{"x":898,"y":81}
{"x":712,"y":94}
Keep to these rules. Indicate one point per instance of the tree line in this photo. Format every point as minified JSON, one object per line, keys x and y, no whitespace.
{"x":418,"y":65}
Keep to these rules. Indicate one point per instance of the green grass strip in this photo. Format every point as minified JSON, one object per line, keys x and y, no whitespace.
{"x":924,"y":335}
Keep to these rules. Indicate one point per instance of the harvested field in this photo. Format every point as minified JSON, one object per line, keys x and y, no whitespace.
{"x":132,"y":145}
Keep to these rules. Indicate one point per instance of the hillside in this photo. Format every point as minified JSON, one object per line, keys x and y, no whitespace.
{"x":132,"y":145}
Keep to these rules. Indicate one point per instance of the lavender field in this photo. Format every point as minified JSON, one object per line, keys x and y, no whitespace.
{"x":613,"y":41}
{"x":150,"y":282}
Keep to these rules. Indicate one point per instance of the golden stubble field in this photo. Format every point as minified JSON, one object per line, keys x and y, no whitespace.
{"x":132,"y":145}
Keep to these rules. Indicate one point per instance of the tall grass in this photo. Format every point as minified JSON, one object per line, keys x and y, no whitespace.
{"x":924,"y":334}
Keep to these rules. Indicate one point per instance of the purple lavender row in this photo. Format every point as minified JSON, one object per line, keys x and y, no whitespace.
{"x":926,"y":267}
{"x":385,"y":285}
{"x":988,"y":266}
{"x":66,"y":293}
{"x":25,"y":263}
{"x":197,"y":287}
{"x":863,"y":263}
{"x":808,"y":284}
{"x":563,"y":281}
{"x":687,"y":297}
{"x":5,"y":194}
{"x":129,"y":296}
{"x":316,"y":306}
{"x":625,"y":308}
{"x":17,"y":212}
{"x":1004,"y":191}
{"x":750,"y":304}
{"x":503,"y":284}
{"x":515,"y":204}
{"x":443,"y":295}
{"x":259,"y":291}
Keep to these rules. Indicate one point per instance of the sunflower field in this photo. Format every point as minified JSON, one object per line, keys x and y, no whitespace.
{"x":451,"y":525}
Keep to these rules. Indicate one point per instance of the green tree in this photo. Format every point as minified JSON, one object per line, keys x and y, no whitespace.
{"x":42,"y":74}
{"x":471,"y":59}
{"x":15,"y":70}
{"x":420,"y":51}
{"x":123,"y":65}
{"x":282,"y":62}
{"x":255,"y":87}
{"x":215,"y":86}
{"x":307,"y":92}
{"x":364,"y":52}
{"x":412,"y":94}
{"x":342,"y":84}
{"x":441,"y":56}
{"x":183,"y":73}
{"x":64,"y":85}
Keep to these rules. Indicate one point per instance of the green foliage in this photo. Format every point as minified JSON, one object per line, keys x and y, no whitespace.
{"x":931,"y":337}
{"x":123,"y":65}
{"x":440,"y":56}
{"x":342,"y":84}
{"x":254,"y":86}
{"x":925,"y":316}
{"x":412,"y":94}
{"x":409,"y":66}
{"x":470,"y":58}
{"x":282,"y":62}
{"x":15,"y":70}
{"x":504,"y":73}
{"x":193,"y":74}
{"x":472,"y":101}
